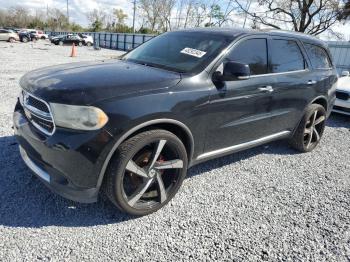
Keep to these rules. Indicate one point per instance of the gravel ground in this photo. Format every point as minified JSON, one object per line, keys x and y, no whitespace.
{"x":268,"y":203}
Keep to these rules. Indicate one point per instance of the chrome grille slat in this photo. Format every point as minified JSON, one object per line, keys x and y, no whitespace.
{"x":38,"y":113}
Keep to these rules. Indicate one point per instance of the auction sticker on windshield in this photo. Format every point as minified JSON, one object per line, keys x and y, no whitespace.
{"x":193,"y":52}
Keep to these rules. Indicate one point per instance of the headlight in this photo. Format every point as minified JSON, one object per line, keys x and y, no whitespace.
{"x":78,"y":117}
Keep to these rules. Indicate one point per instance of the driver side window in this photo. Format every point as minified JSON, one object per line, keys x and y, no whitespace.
{"x":252,"y":52}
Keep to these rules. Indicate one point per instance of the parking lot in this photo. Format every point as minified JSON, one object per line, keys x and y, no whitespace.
{"x":268,"y":203}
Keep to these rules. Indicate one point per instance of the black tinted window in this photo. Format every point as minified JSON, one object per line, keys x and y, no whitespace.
{"x":286,"y":56}
{"x":318,"y":56}
{"x":252,"y":52}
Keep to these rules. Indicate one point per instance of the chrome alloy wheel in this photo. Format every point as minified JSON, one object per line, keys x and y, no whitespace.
{"x":314,"y":128}
{"x":151,"y":175}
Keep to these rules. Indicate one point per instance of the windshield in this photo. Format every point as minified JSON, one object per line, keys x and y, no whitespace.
{"x":183,"y":52}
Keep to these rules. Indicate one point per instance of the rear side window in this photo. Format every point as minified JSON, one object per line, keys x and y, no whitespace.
{"x":285,"y":56}
{"x":318,"y":56}
{"x":252,"y":52}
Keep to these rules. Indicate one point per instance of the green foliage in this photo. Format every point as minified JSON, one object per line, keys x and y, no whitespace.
{"x":76,"y":27}
{"x":215,"y":14}
{"x":96,"y":26}
{"x":145,"y":30}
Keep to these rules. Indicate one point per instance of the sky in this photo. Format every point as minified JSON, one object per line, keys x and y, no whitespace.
{"x":79,"y":8}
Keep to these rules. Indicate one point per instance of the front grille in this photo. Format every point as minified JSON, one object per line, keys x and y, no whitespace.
{"x":342,"y":95}
{"x":38,"y":104}
{"x":38,"y":113}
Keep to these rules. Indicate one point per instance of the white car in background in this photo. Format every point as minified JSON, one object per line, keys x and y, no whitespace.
{"x":42,"y":35}
{"x":88,"y":39}
{"x":342,"y":102}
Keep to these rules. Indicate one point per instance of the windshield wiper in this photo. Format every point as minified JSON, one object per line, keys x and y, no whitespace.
{"x":156,"y":65}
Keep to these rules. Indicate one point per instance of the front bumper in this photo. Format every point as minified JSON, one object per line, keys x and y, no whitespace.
{"x":68,"y":162}
{"x":342,"y":106}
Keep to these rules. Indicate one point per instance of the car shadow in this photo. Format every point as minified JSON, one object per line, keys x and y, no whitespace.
{"x":339,"y":120}
{"x":26,"y":202}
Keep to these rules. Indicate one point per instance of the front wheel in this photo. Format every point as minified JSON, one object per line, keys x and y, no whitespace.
{"x":310,"y":130}
{"x":25,"y":39}
{"x":146,"y":172}
{"x":12,"y":40}
{"x":80,"y":44}
{"x":88,"y":44}
{"x":60,"y":43}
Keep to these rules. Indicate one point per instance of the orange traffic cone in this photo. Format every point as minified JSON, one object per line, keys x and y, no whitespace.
{"x":74,"y":51}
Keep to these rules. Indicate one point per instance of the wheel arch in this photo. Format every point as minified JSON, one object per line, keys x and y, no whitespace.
{"x":174,"y":126}
{"x":321,"y":100}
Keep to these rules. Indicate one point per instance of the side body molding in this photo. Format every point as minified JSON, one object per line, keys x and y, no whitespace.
{"x":136,"y":128}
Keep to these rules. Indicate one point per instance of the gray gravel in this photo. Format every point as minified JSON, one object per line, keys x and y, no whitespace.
{"x":268,"y":203}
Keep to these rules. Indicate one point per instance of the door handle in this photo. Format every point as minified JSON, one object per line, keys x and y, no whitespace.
{"x":311,"y":82}
{"x":266,"y":89}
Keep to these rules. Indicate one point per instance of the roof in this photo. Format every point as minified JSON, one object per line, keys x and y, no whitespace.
{"x":235,"y":32}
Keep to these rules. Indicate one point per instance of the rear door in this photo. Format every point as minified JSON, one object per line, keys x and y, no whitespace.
{"x":294,"y":82}
{"x":322,"y":67}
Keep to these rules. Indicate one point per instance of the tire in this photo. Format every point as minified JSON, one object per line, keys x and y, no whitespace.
{"x":88,"y":44}
{"x":60,"y":43}
{"x":80,"y":44}
{"x":25,"y":39}
{"x":309,"y":132}
{"x":12,"y":40}
{"x":43,"y":38}
{"x":143,"y":193}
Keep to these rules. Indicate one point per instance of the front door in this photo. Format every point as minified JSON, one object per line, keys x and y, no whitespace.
{"x":239,"y":109}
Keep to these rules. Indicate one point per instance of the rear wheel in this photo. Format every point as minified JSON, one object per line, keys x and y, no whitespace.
{"x":146,"y":172}
{"x":88,"y":44}
{"x":25,"y":39}
{"x":80,"y":44}
{"x":12,"y":40}
{"x":60,"y":43}
{"x":310,"y":130}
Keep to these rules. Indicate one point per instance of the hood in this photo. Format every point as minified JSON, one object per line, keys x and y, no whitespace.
{"x":88,"y":82}
{"x":344,"y":83}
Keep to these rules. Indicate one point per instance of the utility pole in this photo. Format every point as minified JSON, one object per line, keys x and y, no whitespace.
{"x":133,"y":19}
{"x":67,"y":12}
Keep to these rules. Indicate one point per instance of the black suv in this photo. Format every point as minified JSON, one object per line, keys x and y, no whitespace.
{"x":133,"y":126}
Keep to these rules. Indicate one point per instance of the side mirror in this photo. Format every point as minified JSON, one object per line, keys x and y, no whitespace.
{"x":232,"y":71}
{"x":345,"y":73}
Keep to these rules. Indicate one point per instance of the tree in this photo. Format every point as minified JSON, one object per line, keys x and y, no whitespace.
{"x":345,"y":14}
{"x":121,"y":16}
{"x":151,"y":10}
{"x":97,"y":19}
{"x":57,"y":20}
{"x":308,"y":16}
